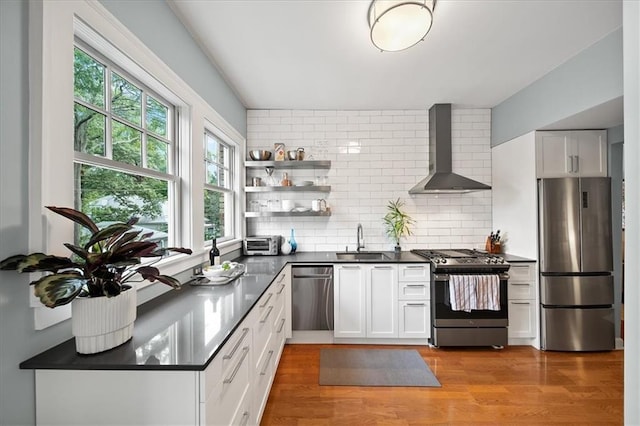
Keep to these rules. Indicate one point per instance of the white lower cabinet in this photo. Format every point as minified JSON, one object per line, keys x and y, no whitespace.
{"x":522,"y":302}
{"x":269,"y":331}
{"x":414,"y":308}
{"x":232,"y":390}
{"x":349,"y":294}
{"x":522,"y":318}
{"x":365,"y":300}
{"x":381,"y":294}
{"x":371,"y":302}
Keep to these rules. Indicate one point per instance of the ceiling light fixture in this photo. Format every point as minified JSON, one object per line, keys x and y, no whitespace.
{"x":399,"y":24}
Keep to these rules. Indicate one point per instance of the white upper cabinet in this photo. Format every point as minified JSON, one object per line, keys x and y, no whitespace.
{"x":571,"y":153}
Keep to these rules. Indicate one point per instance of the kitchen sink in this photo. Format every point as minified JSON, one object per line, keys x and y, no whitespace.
{"x":363,"y":255}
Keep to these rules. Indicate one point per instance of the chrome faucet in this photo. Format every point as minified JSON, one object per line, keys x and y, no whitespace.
{"x":360,"y":238}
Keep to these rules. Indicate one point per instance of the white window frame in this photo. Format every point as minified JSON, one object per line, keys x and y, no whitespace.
{"x":230,"y":190}
{"x":105,"y":162}
{"x":53,"y":26}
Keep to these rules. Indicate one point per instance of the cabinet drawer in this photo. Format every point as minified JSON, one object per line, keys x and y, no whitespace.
{"x":228,"y":356}
{"x":263,"y":326}
{"x":521,"y":290}
{"x":413,"y":290}
{"x":414,"y":272}
{"x":522,"y":272}
{"x":230,"y":400}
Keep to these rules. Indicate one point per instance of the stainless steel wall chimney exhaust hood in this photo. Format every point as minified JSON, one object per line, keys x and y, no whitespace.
{"x":441,"y":179}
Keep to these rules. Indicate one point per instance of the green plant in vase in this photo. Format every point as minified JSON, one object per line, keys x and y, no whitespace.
{"x":397,"y":222}
{"x":94,"y":277}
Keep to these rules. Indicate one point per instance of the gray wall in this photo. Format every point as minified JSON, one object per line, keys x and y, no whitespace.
{"x":591,"y":78}
{"x":18,"y":339}
{"x":170,"y":40}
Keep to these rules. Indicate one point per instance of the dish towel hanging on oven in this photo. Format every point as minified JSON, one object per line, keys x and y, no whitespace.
{"x":468,"y":292}
{"x":488,"y":292}
{"x":462,"y":292}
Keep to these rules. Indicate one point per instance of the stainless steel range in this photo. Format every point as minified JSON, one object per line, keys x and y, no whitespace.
{"x":469,"y":304}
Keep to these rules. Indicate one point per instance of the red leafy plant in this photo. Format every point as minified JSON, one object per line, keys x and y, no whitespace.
{"x":112,"y":256}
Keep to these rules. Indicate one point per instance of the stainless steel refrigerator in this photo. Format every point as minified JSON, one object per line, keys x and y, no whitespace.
{"x":576,"y":260}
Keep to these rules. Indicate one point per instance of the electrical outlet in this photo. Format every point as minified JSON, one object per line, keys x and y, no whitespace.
{"x":197,"y":270}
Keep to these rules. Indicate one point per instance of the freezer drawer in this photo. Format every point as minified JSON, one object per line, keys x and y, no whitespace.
{"x":576,"y":291}
{"x":577,"y":329}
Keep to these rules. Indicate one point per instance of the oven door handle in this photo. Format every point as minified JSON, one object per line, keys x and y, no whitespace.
{"x":445,"y":277}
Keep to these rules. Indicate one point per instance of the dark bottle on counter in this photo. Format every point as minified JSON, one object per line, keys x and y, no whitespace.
{"x":214,"y":253}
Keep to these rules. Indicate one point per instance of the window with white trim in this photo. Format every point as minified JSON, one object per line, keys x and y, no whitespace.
{"x":219,"y":195}
{"x":124,"y":148}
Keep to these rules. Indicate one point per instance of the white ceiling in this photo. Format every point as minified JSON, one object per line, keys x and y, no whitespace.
{"x":316,"y":54}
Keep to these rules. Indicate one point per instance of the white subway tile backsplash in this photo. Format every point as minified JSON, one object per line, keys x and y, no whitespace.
{"x":376,"y":157}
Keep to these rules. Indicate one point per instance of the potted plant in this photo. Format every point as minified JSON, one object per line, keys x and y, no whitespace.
{"x":94,"y":278}
{"x":397,"y":222}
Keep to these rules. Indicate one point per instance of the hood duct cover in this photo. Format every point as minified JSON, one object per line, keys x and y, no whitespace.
{"x":441,"y":179}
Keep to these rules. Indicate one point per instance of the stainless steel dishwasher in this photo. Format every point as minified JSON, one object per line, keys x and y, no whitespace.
{"x":312,"y":294}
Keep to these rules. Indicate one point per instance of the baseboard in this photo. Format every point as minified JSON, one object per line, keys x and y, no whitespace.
{"x":311,"y":337}
{"x":326,"y":337}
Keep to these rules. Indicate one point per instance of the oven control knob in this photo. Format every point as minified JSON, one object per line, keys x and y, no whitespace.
{"x":488,"y":260}
{"x":501,"y":259}
{"x":443,"y":260}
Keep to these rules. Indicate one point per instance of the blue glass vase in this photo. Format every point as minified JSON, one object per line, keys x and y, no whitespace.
{"x":292,"y":242}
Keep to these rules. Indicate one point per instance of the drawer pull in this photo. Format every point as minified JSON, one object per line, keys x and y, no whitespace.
{"x":266,"y":364}
{"x":245,"y":419}
{"x":281,"y":289}
{"x":263,"y":320}
{"x":282,"y":277}
{"x":414,"y":267}
{"x":237,"y":367}
{"x":520,"y":303}
{"x":527,"y":284}
{"x":382,"y":267}
{"x":266,"y":302}
{"x":237,"y":345}
{"x":415,"y":304}
{"x":350,"y":267}
{"x":281,"y":325}
{"x":414,"y":285}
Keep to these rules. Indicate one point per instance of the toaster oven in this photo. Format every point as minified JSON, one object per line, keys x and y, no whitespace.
{"x":261,"y":246}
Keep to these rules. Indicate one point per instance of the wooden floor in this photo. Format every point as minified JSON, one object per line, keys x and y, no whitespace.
{"x":515,"y":385}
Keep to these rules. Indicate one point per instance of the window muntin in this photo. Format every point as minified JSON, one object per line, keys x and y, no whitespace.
{"x":218,"y":188}
{"x":123,"y":165}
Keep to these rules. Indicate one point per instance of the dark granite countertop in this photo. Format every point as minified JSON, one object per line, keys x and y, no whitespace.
{"x":184,"y":329}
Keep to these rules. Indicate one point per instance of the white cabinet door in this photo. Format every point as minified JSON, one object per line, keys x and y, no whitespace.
{"x":349,"y":296}
{"x":571,"y":153}
{"x":381,"y":298}
{"x":414,"y":319}
{"x":522,"y":318}
{"x":591,"y":153}
{"x":522,"y":300}
{"x":553,"y":154}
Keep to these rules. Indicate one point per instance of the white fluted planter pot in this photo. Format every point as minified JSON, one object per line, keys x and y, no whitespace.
{"x":102,"y":323}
